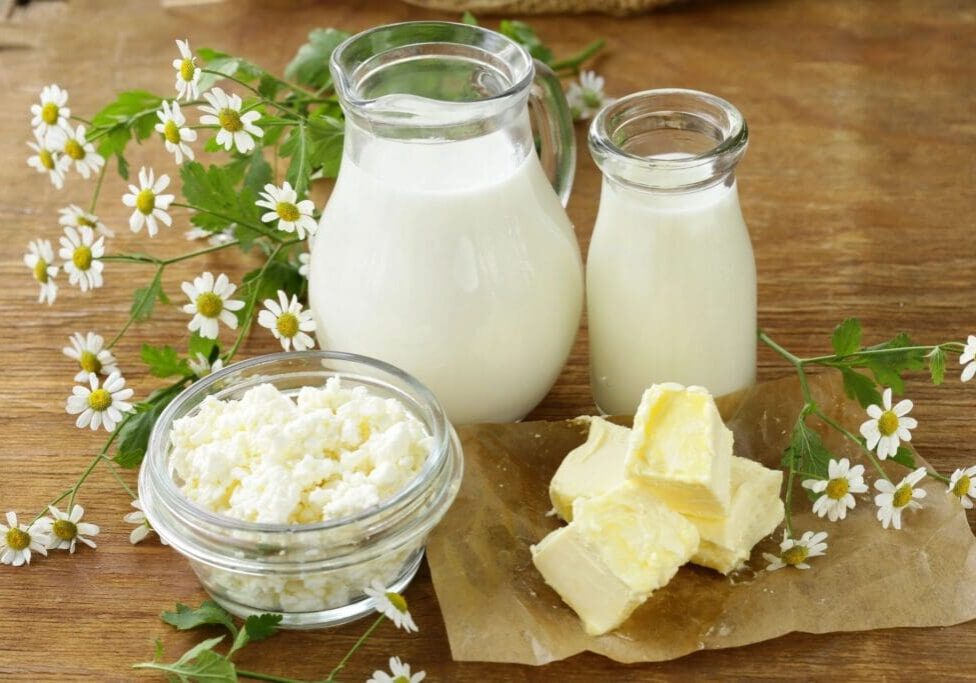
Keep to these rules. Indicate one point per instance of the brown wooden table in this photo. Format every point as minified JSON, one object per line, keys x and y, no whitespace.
{"x":858,"y":189}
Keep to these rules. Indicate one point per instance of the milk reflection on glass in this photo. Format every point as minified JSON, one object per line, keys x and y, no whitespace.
{"x":671,"y":278}
{"x":444,"y":248}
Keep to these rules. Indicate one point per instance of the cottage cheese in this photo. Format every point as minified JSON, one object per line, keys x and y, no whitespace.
{"x":331,"y":452}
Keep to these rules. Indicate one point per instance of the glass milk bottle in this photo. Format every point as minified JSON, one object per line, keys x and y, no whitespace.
{"x":444,"y":248}
{"x":670,"y":275}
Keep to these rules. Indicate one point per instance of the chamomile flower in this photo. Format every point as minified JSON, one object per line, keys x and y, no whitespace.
{"x":52,"y":113}
{"x":292,"y":215}
{"x":893,"y":499}
{"x":288,"y":322}
{"x":150,"y":206}
{"x":391,"y":605}
{"x":201,"y":366}
{"x":968,"y":359}
{"x":77,"y":217}
{"x":837,"y":490}
{"x":795,"y":552}
{"x":65,"y":531}
{"x":399,"y":673}
{"x":236,"y":129}
{"x":17,"y":542}
{"x":75,"y":149}
{"x":962,"y":485}
{"x":209,"y":302}
{"x":46,"y":159}
{"x":82,"y":253}
{"x":100,"y":405}
{"x":303,"y":261}
{"x":586,"y":97}
{"x":142,"y":530}
{"x":174,"y":131}
{"x":888,"y":426}
{"x":92,"y":356}
{"x":40,"y":259}
{"x":187,"y":72}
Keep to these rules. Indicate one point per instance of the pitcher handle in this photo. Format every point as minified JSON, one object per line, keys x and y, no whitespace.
{"x":553,"y":122}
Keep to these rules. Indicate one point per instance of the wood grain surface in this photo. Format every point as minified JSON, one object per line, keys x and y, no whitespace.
{"x":858,"y":188}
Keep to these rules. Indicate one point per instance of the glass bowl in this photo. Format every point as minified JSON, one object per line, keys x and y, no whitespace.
{"x":311,"y":574}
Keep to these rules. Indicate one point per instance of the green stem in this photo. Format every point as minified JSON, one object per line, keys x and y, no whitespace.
{"x":853,"y":439}
{"x":270,"y":234}
{"x":938,"y":477}
{"x":55,"y":501}
{"x":252,"y":300}
{"x":201,"y":252}
{"x":254,"y":675}
{"x":98,"y":188}
{"x":573,"y":63}
{"x":359,"y":643}
{"x":81,"y":118}
{"x":255,"y":91}
{"x":95,"y":461}
{"x":112,"y":468}
{"x":829,"y":360}
{"x":768,"y":341}
{"x":132,"y":258}
{"x":142,"y":302}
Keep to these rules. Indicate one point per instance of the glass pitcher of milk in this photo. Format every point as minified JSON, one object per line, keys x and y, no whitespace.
{"x":670,"y":275}
{"x":445,"y":248}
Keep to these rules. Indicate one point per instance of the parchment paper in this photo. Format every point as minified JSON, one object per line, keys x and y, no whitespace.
{"x":497,"y":608}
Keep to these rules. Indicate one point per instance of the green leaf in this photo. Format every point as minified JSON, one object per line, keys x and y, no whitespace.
{"x":185,"y":617}
{"x":144,"y":299}
{"x":847,"y":337}
{"x":888,"y":368}
{"x":296,"y":146}
{"x":258,"y":173}
{"x":279,"y":274}
{"x":469,"y":19}
{"x":261,"y":626}
{"x":904,"y":456}
{"x":208,"y":348}
{"x":526,"y":36}
{"x":224,"y":64}
{"x":861,"y":387}
{"x":268,"y":86}
{"x":314,"y":146}
{"x":163,"y":361}
{"x":807,"y":452}
{"x":132,"y":113}
{"x":220,"y":202}
{"x":200,"y":663}
{"x":937,"y":365}
{"x":310,"y":65}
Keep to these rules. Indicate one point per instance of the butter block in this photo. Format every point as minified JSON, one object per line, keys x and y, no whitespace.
{"x":755,"y":511}
{"x":592,"y":468}
{"x":621,"y":546}
{"x":681,"y":449}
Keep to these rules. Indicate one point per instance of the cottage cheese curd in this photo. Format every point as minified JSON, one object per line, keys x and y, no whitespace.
{"x":325,"y":454}
{"x":331,"y":452}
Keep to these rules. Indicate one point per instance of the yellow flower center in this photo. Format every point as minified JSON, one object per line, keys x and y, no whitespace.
{"x":171,"y":132}
{"x":397,"y":601}
{"x":146,"y":202}
{"x":82,"y":257}
{"x":47,"y":159}
{"x":99,"y":400}
{"x":795,"y":555}
{"x":209,"y":305}
{"x":888,"y":423}
{"x":287,"y":211}
{"x":287,"y":325}
{"x":187,"y":69}
{"x":230,"y":120}
{"x":40,"y":271}
{"x":837,"y":488}
{"x":89,"y":362}
{"x":591,"y":98}
{"x":17,"y":539}
{"x":49,"y":113}
{"x":903,"y":496}
{"x":64,"y":529}
{"x":74,"y":149}
{"x":962,"y":486}
{"x":401,"y":679}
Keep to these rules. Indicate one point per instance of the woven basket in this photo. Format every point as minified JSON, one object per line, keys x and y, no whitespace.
{"x":615,"y":7}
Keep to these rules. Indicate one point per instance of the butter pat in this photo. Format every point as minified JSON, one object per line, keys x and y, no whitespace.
{"x":680,"y":448}
{"x":621,"y":546}
{"x":755,"y":512}
{"x":590,"y":469}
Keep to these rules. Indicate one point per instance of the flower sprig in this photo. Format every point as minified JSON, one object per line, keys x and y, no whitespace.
{"x":872,"y":375}
{"x":204,"y":659}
